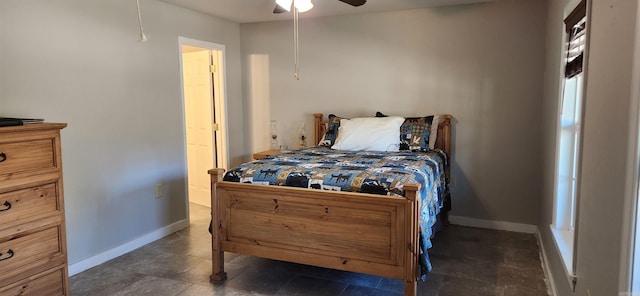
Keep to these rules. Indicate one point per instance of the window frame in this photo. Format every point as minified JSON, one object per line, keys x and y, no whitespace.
{"x":630,"y":241}
{"x":564,"y":229}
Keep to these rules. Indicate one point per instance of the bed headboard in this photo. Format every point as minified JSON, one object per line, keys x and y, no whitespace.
{"x":443,"y":140}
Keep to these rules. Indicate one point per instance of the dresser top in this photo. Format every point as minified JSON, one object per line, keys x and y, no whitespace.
{"x":32,"y":127}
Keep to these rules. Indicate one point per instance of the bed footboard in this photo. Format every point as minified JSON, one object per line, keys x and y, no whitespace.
{"x":363,"y":233}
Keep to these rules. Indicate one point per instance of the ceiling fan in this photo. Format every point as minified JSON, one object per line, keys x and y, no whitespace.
{"x":302,"y":6}
{"x":305,"y":5}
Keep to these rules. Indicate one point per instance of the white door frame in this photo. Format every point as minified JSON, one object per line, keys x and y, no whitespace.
{"x":630,"y":241}
{"x":220,"y":104}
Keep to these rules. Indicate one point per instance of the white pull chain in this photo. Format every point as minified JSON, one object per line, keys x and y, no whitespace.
{"x":296,"y":48}
{"x":143,"y":37}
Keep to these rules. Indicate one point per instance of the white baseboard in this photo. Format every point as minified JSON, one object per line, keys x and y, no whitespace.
{"x":497,"y":225}
{"x":105,"y":256}
{"x":551,"y":284}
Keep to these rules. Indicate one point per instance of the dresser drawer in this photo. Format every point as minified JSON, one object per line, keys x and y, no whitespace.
{"x":26,"y":205}
{"x":48,"y":283}
{"x":24,"y":156}
{"x":29,"y":253}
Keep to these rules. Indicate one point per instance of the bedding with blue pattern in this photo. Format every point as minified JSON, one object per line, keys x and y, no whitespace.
{"x":358,"y":171}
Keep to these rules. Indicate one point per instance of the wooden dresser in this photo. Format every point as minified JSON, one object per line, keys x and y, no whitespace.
{"x":33,"y":248}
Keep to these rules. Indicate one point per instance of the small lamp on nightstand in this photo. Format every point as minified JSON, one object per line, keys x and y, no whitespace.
{"x":303,"y":138}
{"x":274,"y":136}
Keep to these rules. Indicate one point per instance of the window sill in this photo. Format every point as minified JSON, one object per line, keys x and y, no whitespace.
{"x":564,"y":243}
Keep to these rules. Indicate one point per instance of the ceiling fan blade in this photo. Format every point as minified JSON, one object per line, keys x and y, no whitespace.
{"x":279,"y":9}
{"x":354,"y":2}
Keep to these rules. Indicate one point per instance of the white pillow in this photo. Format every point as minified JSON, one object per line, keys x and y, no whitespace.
{"x":369,"y":133}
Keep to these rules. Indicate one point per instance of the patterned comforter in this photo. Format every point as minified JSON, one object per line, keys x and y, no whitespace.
{"x":358,"y":171}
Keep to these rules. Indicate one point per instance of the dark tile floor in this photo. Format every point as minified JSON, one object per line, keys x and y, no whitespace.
{"x":467,"y":261}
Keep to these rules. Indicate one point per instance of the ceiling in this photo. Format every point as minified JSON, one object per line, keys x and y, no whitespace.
{"x":249,"y":11}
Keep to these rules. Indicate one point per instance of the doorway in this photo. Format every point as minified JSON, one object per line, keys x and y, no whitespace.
{"x":203,"y":98}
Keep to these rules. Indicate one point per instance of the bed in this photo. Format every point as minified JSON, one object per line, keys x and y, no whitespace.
{"x":359,"y":232}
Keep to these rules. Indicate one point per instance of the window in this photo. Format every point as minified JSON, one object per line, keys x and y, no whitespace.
{"x":568,"y":138}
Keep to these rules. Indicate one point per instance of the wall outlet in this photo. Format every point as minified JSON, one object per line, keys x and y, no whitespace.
{"x":158,"y":190}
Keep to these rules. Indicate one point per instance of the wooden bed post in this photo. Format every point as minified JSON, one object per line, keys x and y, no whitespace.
{"x":413,"y":239}
{"x":443,"y":142}
{"x":318,"y":131}
{"x":217,"y":255}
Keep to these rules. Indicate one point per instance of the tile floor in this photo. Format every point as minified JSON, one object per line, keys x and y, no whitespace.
{"x":467,"y":261}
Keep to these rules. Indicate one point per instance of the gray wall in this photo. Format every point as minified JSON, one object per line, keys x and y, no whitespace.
{"x":468,"y":61}
{"x":605,"y":145}
{"x":80,"y":62}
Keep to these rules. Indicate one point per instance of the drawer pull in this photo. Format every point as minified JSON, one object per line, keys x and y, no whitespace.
{"x":10,"y":253}
{"x":3,"y":157}
{"x":7,"y":205}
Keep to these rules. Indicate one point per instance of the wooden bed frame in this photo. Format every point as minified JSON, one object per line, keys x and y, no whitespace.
{"x":358,"y":232}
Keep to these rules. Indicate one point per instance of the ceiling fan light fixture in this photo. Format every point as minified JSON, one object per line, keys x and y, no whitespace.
{"x":285,"y":4}
{"x":303,"y":5}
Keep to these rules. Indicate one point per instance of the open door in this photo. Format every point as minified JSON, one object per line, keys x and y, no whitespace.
{"x":204,"y":114}
{"x":198,"y":106}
